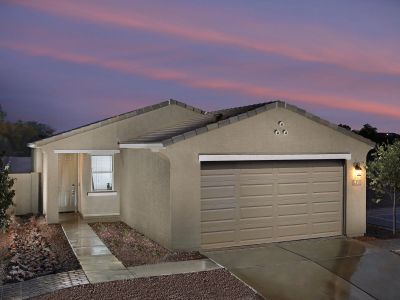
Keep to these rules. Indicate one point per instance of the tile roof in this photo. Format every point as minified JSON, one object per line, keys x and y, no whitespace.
{"x":87,"y":127}
{"x":217,"y":119}
{"x":192,"y":126}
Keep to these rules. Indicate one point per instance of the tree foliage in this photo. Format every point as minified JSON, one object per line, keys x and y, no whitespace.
{"x":6,"y":194}
{"x":345,"y":126}
{"x":384,"y":170}
{"x":14,"y":137}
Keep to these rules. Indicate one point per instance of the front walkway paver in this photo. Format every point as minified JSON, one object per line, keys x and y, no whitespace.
{"x":171,"y":268}
{"x":101,"y":265}
{"x":98,"y":263}
{"x":42,"y":285}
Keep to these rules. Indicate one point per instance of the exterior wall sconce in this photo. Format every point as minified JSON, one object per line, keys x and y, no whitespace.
{"x":357,"y":174}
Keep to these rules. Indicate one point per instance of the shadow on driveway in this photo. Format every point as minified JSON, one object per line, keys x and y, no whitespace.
{"x":329,"y":268}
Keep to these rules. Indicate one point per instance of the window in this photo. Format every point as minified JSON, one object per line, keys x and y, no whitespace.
{"x":102,"y":173}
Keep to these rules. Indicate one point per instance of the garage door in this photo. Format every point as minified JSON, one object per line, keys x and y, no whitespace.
{"x":244,"y":203}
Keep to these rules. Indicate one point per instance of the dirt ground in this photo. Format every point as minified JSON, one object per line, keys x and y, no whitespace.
{"x":32,"y":248}
{"x":217,"y":284}
{"x":133,"y":248}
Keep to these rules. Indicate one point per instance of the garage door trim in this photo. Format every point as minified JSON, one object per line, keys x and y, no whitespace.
{"x":256,"y":157}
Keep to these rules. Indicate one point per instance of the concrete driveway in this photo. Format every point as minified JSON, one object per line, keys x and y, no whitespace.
{"x":330,"y":268}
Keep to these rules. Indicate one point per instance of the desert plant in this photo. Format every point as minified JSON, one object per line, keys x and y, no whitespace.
{"x":6,"y":194}
{"x":384,"y":174}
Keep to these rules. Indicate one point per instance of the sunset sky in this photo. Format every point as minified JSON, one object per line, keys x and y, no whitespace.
{"x":67,"y":63}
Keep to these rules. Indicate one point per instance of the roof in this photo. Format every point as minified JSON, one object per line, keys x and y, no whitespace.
{"x":111,"y":120}
{"x":217,"y":119}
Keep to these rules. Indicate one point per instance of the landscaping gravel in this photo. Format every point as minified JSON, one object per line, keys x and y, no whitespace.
{"x":5,"y":241}
{"x":34,"y":249}
{"x":217,"y":284}
{"x":133,"y":248}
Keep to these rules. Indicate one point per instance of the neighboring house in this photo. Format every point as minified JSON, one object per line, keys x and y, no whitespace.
{"x":189,"y":179}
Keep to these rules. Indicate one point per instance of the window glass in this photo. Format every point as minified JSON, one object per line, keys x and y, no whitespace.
{"x":102,"y":172}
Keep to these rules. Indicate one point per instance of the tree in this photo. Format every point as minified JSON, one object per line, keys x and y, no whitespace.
{"x":345,"y":126}
{"x":369,"y":132}
{"x":14,"y":137}
{"x":384,"y":174}
{"x":6,"y":194}
{"x":2,"y":114}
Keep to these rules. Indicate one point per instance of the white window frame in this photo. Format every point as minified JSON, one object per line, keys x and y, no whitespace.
{"x":112,"y":177}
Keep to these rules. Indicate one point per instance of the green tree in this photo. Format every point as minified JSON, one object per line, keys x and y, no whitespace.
{"x":369,"y":132}
{"x":384,"y":174}
{"x":6,"y":194}
{"x":14,"y":137}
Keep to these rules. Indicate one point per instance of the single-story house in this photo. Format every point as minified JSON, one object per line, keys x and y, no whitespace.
{"x":191,"y":179}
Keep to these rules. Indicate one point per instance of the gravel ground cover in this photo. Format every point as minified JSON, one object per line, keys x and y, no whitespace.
{"x":217,"y":284}
{"x":31,"y":248}
{"x":5,"y":241}
{"x":133,"y":248}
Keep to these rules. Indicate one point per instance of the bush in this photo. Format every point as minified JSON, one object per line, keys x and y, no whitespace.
{"x":6,"y":194}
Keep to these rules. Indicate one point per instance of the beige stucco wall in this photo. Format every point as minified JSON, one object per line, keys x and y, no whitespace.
{"x":104,"y":205}
{"x":145,"y":203}
{"x":102,"y":138}
{"x":255,"y":135}
{"x":26,"y":188}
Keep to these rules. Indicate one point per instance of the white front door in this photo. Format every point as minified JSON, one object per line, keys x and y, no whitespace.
{"x":68,"y":182}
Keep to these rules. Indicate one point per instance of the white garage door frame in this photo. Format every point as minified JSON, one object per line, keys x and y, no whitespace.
{"x":287,"y":157}
{"x":258,"y":157}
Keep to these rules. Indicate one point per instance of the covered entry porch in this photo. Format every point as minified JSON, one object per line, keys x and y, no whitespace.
{"x":80,"y":181}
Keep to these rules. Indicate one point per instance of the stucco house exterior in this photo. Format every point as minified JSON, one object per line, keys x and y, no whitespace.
{"x":191,"y":179}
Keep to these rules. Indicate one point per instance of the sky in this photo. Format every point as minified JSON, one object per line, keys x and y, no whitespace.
{"x":68,"y":63}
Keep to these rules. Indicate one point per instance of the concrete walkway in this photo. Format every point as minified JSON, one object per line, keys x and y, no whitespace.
{"x":100,"y":265}
{"x":42,"y":285}
{"x":96,"y":260}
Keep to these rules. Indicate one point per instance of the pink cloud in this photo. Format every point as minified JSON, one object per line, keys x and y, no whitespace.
{"x":344,"y":54}
{"x":188,"y":79}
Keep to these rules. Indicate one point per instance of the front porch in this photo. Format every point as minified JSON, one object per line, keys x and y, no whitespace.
{"x":81,"y":181}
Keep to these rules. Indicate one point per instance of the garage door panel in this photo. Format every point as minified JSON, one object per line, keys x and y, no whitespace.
{"x":255,"y":234}
{"x":259,"y":202}
{"x":214,"y":181}
{"x":218,"y":237}
{"x":218,"y":203}
{"x":325,"y":217}
{"x":292,"y":199}
{"x":292,"y":220}
{"x":218,"y":226}
{"x":292,"y":209}
{"x":252,"y":212}
{"x":253,"y":201}
{"x":326,"y":177}
{"x":260,"y":222}
{"x":293,"y":188}
{"x":323,"y":187}
{"x":326,"y":227}
{"x":323,"y":207}
{"x":322,"y":197}
{"x":218,"y":215}
{"x":217,"y":192}
{"x":292,"y":230}
{"x":256,"y":190}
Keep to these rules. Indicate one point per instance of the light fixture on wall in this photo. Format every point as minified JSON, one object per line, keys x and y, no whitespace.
{"x":357,"y":173}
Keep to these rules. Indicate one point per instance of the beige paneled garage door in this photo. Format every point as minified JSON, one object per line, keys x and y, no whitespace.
{"x":245,"y":203}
